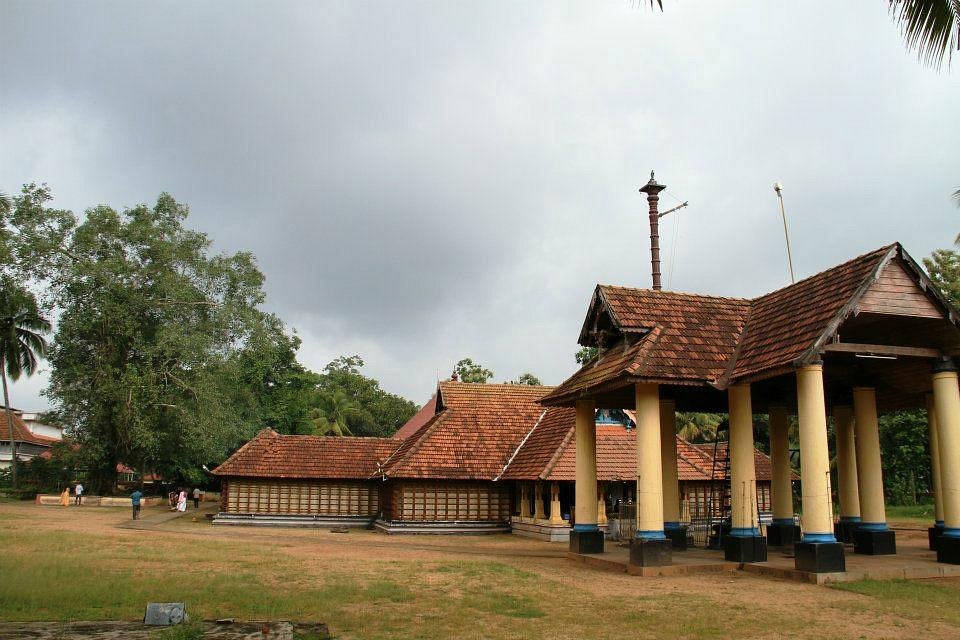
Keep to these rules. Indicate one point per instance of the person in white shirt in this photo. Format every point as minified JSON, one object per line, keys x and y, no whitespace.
{"x":78,"y":494}
{"x":196,"y":497}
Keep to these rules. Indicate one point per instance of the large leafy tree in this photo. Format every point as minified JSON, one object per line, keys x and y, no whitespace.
{"x":469,"y":371}
{"x":22,"y":344}
{"x":151,"y":328}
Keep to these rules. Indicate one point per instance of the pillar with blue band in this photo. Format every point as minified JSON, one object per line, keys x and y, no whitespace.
{"x":672,"y":527}
{"x":848,"y":490}
{"x":934,"y":532}
{"x":946,"y":404}
{"x":872,"y":535}
{"x":650,"y":546}
{"x":586,"y":537}
{"x":744,"y":542}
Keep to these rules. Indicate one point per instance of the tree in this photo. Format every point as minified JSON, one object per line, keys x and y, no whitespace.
{"x":698,"y":427}
{"x":21,"y":346}
{"x":586,"y":354}
{"x":151,"y":332}
{"x":943,"y":265}
{"x":332,"y":414}
{"x":527,"y":378}
{"x":930,"y":27}
{"x":469,"y":371}
{"x":376,"y":412}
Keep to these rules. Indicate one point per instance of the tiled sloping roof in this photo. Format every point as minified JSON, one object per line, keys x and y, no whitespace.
{"x":475,"y":433}
{"x":762,"y":462}
{"x":708,"y":340}
{"x":419,"y":419}
{"x":20,"y":431}
{"x":272,"y":455}
{"x":620,"y":360}
{"x":786,"y":323}
{"x":698,"y":333}
{"x":544,"y":443}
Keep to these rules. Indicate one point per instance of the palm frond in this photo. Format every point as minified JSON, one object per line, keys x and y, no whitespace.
{"x":929,"y":26}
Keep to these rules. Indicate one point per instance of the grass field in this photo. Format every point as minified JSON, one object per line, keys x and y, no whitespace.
{"x":80,"y":564}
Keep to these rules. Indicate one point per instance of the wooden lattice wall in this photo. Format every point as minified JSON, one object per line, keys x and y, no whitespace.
{"x":302,"y":497}
{"x":438,"y":501}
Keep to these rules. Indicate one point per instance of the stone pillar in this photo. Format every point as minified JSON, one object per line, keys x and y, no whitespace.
{"x":586,"y":536}
{"x":818,"y":550}
{"x":872,"y":535}
{"x":675,"y":532}
{"x":934,"y":532}
{"x":782,"y":532}
{"x":650,"y":546}
{"x":946,"y":402}
{"x":848,"y":489}
{"x":744,"y":544}
{"x":538,"y":502}
{"x":556,"y":518}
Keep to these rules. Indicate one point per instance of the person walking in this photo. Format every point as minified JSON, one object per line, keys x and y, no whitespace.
{"x":78,"y":495}
{"x":135,"y":501}
{"x":196,"y":497}
{"x":182,"y":500}
{"x":65,"y":497}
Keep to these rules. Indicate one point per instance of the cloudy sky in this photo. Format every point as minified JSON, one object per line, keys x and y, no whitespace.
{"x":427,"y":181}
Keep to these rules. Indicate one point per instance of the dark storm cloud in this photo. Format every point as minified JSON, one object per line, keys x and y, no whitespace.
{"x":428,"y":181}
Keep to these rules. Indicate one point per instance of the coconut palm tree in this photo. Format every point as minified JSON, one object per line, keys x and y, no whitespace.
{"x":332,"y":413}
{"x":21,"y":347}
{"x":931,"y":27}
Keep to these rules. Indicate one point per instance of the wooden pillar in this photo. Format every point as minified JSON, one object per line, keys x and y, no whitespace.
{"x":649,"y":470}
{"x":668,"y":462}
{"x":524,"y":501}
{"x":782,"y":486}
{"x":538,"y":502}
{"x":848,"y":489}
{"x":817,"y":520}
{"x":935,"y":462}
{"x":743,"y":475}
{"x":873,"y":514}
{"x":586,"y":460}
{"x":556,"y":517}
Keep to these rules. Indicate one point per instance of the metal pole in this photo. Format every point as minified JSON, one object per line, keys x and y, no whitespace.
{"x":779,"y":189}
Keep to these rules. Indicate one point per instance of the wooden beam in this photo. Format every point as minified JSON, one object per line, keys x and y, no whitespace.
{"x":880,"y":350}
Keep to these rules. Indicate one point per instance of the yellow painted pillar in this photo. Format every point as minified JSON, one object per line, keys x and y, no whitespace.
{"x":743,"y":474}
{"x":538,"y":502}
{"x":782,"y":485}
{"x":817,"y":520}
{"x":873,"y":516}
{"x":555,"y":516}
{"x":649,"y":470}
{"x":586,"y":487}
{"x":849,"y":489}
{"x":946,"y":402}
{"x":935,"y":462}
{"x":601,"y":504}
{"x":668,"y":463}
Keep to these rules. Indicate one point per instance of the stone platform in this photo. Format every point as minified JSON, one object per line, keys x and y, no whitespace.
{"x":117,"y":630}
{"x":912,"y":561}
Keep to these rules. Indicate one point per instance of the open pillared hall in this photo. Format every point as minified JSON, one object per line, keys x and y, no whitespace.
{"x":598,"y":456}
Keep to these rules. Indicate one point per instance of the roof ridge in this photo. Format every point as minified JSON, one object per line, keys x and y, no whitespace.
{"x":662,"y":292}
{"x":427,"y":431}
{"x":552,"y":462}
{"x":520,"y":446}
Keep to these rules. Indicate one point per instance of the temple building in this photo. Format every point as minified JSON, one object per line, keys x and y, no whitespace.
{"x":478,"y":458}
{"x":870,"y":335}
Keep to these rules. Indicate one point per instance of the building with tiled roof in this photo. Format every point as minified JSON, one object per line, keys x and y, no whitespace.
{"x":30,"y":442}
{"x":462,"y":468}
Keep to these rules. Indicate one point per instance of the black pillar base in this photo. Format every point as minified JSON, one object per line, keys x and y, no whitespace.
{"x":677,"y":538}
{"x":651,"y":553}
{"x":875,"y":543}
{"x":933,"y":535}
{"x":586,"y":541}
{"x":948,"y":550}
{"x":745,"y":549}
{"x":819,"y":557}
{"x":782,"y":535}
{"x":845,"y":531}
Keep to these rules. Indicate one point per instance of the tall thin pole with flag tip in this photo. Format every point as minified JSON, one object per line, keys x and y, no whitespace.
{"x":779,"y":190}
